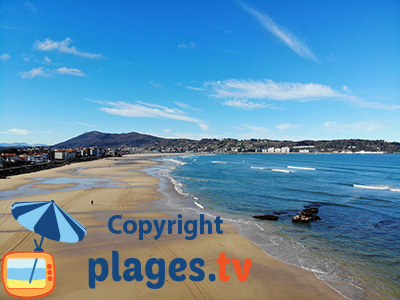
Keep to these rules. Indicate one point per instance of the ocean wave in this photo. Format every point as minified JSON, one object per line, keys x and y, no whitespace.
{"x":281,"y":170}
{"x":301,"y":168}
{"x":218,"y":162}
{"x":175,"y":161}
{"x":199,"y":205}
{"x":259,"y":168}
{"x":377,"y":187}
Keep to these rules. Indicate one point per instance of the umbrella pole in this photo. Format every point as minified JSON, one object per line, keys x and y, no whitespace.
{"x":38,"y":248}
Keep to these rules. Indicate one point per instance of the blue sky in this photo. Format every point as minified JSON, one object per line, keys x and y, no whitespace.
{"x":250,"y":69}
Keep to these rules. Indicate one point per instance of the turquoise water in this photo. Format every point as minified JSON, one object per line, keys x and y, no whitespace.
{"x":355,"y":248}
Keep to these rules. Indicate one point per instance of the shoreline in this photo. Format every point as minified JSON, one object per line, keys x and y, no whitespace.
{"x":138,"y":198}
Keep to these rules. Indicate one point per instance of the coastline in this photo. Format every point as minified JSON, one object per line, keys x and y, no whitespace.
{"x":135,"y":194}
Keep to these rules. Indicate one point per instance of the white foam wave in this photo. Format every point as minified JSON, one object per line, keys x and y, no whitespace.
{"x":301,"y":168}
{"x":281,"y":170}
{"x":259,"y":226}
{"x":218,"y":162}
{"x":175,"y":161}
{"x":259,"y":168}
{"x":199,"y":205}
{"x":372,"y":187}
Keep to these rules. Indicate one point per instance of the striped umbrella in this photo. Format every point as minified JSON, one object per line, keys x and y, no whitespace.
{"x":49,"y":220}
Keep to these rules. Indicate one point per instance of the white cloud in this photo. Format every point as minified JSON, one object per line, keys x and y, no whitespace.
{"x":46,"y":132}
{"x":204,"y":126}
{"x":155,"y":84}
{"x":284,"y":35}
{"x":255,"y":132}
{"x":287,"y":126}
{"x":346,"y":88}
{"x":186,"y":46}
{"x":63,"y":47}
{"x":186,"y":106}
{"x":34,"y":73}
{"x":5,"y":57}
{"x":149,"y":110}
{"x":196,"y":136}
{"x":364,"y":126}
{"x":30,"y":6}
{"x":47,"y":60}
{"x":17,"y":131}
{"x":72,"y":72}
{"x":84,"y":124}
{"x":193,"y":88}
{"x":268,"y":89}
{"x":375,"y":105}
{"x":49,"y":73}
{"x":244,"y":104}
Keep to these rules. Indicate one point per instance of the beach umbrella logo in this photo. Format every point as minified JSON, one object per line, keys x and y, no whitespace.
{"x":31,"y":274}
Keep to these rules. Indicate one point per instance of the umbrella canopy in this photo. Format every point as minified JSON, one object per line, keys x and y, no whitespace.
{"x":49,"y":220}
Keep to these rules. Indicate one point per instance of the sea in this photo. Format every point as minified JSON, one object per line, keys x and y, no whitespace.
{"x":354,"y":248}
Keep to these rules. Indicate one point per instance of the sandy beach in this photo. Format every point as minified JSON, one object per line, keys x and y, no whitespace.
{"x":132,"y":195}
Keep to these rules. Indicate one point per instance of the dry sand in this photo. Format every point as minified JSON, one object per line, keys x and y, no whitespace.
{"x":269,"y":278}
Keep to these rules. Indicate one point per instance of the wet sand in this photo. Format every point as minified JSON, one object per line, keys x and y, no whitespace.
{"x":269,"y":278}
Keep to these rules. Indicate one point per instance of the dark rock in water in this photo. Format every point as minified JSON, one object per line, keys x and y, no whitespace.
{"x":306,"y":214}
{"x":266,"y":217}
{"x":312,"y":210}
{"x":279,"y":212}
{"x":305,"y":217}
{"x":300,"y":218}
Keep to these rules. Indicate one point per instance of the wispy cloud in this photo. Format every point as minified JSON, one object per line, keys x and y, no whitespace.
{"x":84,"y":124}
{"x":193,"y":88}
{"x":155,"y":84}
{"x":288,"y":38}
{"x":346,"y":88}
{"x":69,"y":71}
{"x":63,"y":47}
{"x":367,"y":104}
{"x":11,"y":28}
{"x":46,"y":132}
{"x":363,"y":126}
{"x":16,"y":131}
{"x":186,"y":106}
{"x":34,"y":73}
{"x":187,"y":46}
{"x":41,"y":72}
{"x":233,"y":89}
{"x":195,"y":136}
{"x":244,"y":104}
{"x":149,"y":110}
{"x":268,"y":89}
{"x":288,"y":126}
{"x":30,"y":6}
{"x":256,"y":132}
{"x":5,"y":57}
{"x":46,"y":60}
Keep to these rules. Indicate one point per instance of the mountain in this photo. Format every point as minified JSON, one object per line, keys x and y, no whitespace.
{"x":20,"y":145}
{"x":109,"y":140}
{"x":153,"y":143}
{"x":14,"y":145}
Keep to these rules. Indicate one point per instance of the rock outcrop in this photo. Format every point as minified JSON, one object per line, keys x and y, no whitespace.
{"x":266,"y":217}
{"x":308,"y":214}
